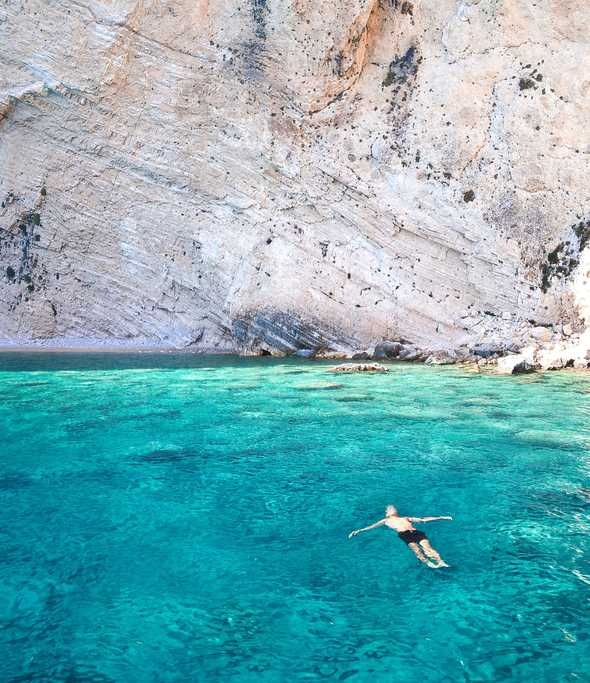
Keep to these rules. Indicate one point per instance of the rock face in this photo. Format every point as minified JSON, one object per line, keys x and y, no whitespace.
{"x":288,"y":174}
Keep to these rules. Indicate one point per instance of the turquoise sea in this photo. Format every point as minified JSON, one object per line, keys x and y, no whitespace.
{"x":183,"y":518}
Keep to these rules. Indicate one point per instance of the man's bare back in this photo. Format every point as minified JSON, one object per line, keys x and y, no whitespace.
{"x":415,"y":540}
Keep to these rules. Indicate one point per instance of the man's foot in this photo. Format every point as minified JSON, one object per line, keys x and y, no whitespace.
{"x":441,"y":564}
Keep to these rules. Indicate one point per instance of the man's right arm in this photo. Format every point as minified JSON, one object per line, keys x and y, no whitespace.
{"x":366,"y":528}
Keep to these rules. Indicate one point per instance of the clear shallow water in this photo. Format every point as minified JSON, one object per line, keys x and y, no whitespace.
{"x":173,"y":518}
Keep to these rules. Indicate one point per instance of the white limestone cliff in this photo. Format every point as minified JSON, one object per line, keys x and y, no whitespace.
{"x":284,"y":174}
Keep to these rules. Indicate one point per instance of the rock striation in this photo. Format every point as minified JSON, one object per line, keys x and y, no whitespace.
{"x":274,"y":175}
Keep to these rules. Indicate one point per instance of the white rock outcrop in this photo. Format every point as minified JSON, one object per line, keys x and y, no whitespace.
{"x":281,"y":174}
{"x":514,"y":365}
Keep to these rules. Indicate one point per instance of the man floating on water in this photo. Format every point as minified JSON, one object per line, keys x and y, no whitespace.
{"x":415,"y":540}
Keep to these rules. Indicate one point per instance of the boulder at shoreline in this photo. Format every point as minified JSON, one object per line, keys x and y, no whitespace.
{"x":514,"y":365}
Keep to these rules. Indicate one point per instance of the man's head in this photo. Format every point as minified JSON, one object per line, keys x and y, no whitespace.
{"x":390,"y":511}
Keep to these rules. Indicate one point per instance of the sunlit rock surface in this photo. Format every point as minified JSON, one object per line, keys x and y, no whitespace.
{"x":281,"y":174}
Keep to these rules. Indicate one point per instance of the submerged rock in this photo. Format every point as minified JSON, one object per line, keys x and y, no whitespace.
{"x":360,"y":367}
{"x":318,"y":386}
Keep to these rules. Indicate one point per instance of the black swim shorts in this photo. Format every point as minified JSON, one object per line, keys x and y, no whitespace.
{"x":412,"y":536}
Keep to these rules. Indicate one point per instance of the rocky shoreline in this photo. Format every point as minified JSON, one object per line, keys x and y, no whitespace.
{"x":555,"y":352}
{"x":538,"y":355}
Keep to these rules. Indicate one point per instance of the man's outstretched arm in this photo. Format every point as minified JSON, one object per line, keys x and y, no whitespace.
{"x":366,"y":528}
{"x":427,"y":519}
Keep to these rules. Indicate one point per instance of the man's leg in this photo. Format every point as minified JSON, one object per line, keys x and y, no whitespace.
{"x":431,"y":553}
{"x":415,"y":548}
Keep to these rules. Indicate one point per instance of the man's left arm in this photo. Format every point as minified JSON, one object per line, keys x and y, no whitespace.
{"x":427,"y":519}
